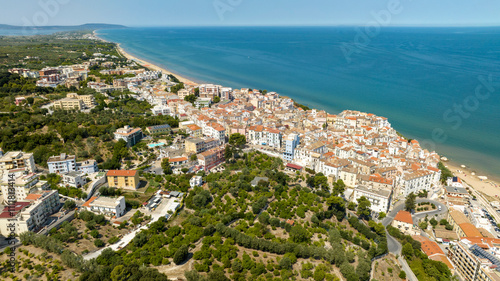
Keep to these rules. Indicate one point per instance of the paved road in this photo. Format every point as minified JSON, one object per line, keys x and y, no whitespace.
{"x":400,"y":206}
{"x":393,"y":245}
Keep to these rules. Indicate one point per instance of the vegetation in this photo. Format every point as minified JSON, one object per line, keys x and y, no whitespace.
{"x":410,"y":202}
{"x":423,"y":267}
{"x":445,"y":172}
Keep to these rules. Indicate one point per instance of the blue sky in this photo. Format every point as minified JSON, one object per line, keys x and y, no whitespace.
{"x":249,"y":12}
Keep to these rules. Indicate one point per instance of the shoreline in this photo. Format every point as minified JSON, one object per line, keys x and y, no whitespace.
{"x":490,"y":186}
{"x":147,"y":64}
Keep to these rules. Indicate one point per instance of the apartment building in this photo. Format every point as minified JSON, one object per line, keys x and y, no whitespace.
{"x":416,"y":181}
{"x":475,"y":260}
{"x":30,"y":214}
{"x":130,"y":135}
{"x":194,"y":131}
{"x":380,"y":199}
{"x":211,"y":158}
{"x":88,"y":100}
{"x":17,"y":160}
{"x":291,"y":143}
{"x":107,"y":206}
{"x":62,"y":163}
{"x":126,"y":179}
{"x":69,"y":104}
{"x":196,"y":181}
{"x":24,"y":184}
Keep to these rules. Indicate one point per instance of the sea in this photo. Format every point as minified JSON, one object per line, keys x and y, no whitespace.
{"x":440,"y":86}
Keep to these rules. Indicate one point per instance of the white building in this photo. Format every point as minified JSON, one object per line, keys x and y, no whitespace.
{"x":415,"y":182}
{"x":30,"y":214}
{"x":106,"y":205}
{"x":17,"y":160}
{"x":380,"y":199}
{"x":87,"y":167}
{"x":74,"y":179}
{"x":24,"y":184}
{"x":273,"y":138}
{"x":62,"y":163}
{"x":195,"y":181}
{"x":161,"y":110}
{"x":130,"y":135}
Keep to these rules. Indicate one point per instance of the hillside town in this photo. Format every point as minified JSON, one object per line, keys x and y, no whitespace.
{"x":361,"y":150}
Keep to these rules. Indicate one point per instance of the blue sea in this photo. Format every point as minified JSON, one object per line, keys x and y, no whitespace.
{"x":438,"y":85}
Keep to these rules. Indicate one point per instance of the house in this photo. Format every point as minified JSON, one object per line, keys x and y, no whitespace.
{"x":195,"y":181}
{"x":126,"y":179}
{"x":74,"y":179}
{"x":106,"y":206}
{"x":293,"y":168}
{"x":130,"y":135}
{"x":433,"y":251}
{"x":404,"y":222}
{"x":62,"y":163}
{"x":178,"y":161}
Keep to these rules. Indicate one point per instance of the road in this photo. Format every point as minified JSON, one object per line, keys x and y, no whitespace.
{"x":393,"y":245}
{"x":126,"y":239}
{"x":400,"y":206}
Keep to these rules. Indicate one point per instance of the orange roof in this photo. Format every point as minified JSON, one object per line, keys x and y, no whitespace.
{"x":443,"y":259}
{"x":484,"y":242}
{"x":470,"y":230}
{"x":404,"y":216}
{"x":121,"y":173}
{"x":33,"y":196}
{"x":431,"y":248}
{"x":178,"y":159}
{"x":193,"y":127}
{"x":87,"y":204}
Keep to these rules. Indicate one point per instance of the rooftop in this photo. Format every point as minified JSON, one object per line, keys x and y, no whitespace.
{"x":121,"y":173}
{"x":404,"y":216}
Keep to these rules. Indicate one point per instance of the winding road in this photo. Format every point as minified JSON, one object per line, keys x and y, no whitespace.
{"x":393,"y":245}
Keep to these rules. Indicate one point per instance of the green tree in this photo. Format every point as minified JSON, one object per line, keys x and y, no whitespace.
{"x":363,"y":208}
{"x":402,"y":274}
{"x":176,"y":88}
{"x":382,"y":215}
{"x":299,"y":234}
{"x":407,"y":250}
{"x":99,"y":243}
{"x":216,"y":99}
{"x":433,"y":222}
{"x":228,"y":153}
{"x":69,"y":205}
{"x":410,"y":202}
{"x":338,"y":187}
{"x":165,"y":165}
{"x":237,"y":140}
{"x":190,"y":98}
{"x":181,"y":254}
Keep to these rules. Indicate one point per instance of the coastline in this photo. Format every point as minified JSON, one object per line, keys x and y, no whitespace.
{"x":147,"y":64}
{"x":490,"y":186}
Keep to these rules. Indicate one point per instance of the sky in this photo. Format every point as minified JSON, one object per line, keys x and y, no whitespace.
{"x":251,"y":12}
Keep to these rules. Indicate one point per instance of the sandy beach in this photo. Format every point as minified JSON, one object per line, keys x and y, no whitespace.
{"x":148,"y":64}
{"x":490,"y":186}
